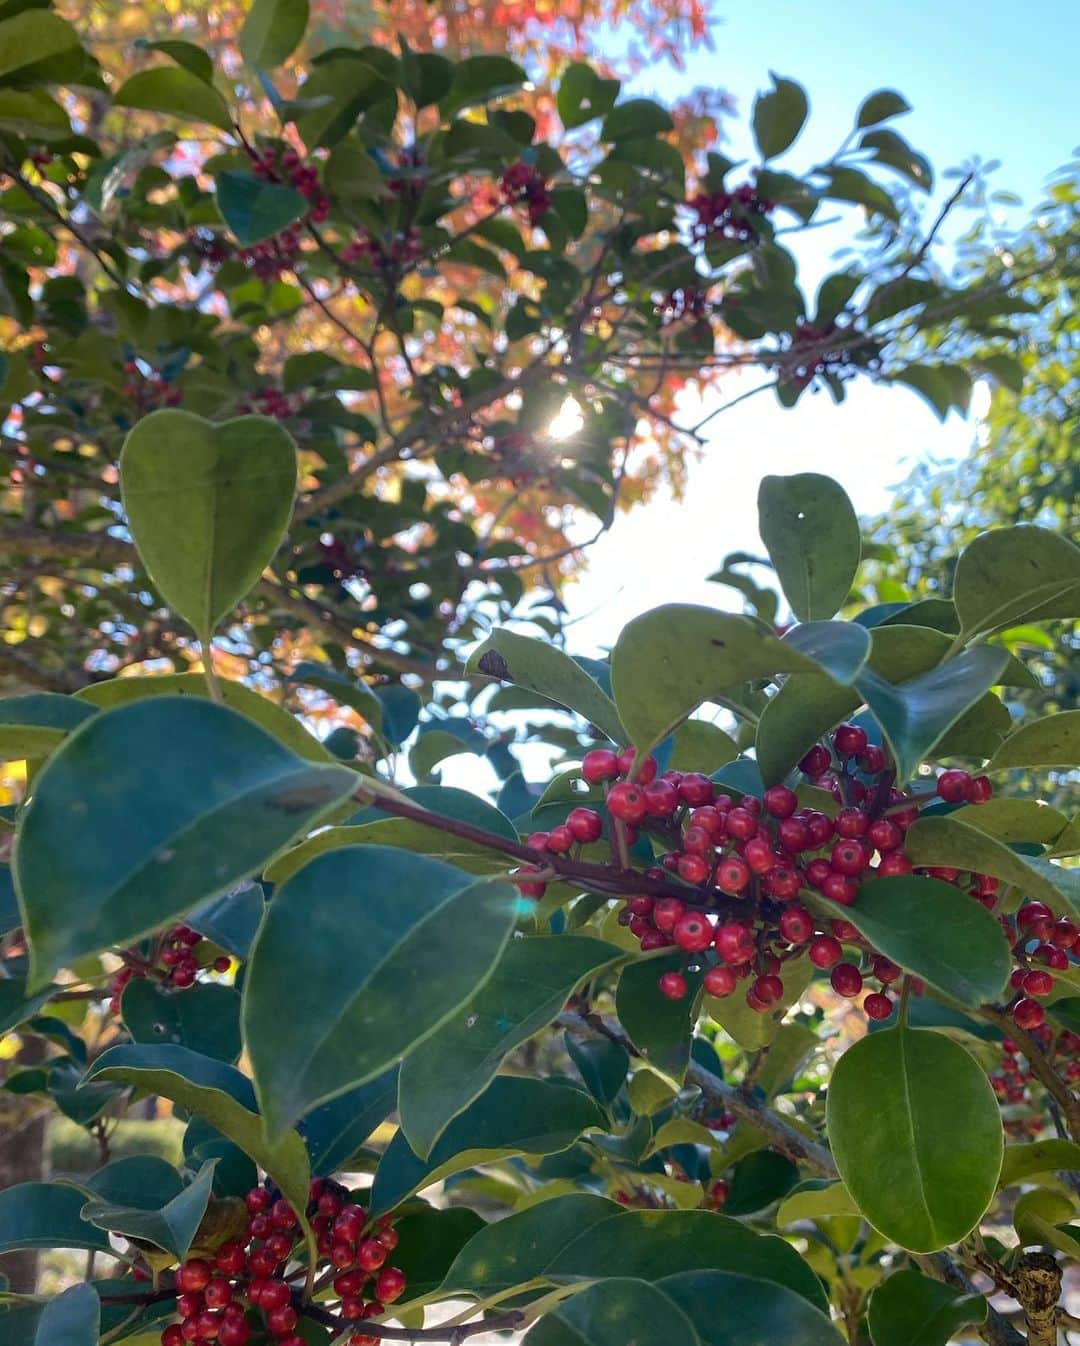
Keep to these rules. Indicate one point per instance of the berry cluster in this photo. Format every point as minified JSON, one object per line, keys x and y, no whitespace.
{"x":251,"y":1287}
{"x":1012,"y":1083}
{"x":149,"y":391}
{"x":685,"y":302}
{"x":729,"y":215}
{"x":270,"y":401}
{"x":810,"y":354}
{"x":210,"y":246}
{"x":1040,"y":940}
{"x":177,"y":962}
{"x":527,"y":185}
{"x":273,"y":256}
{"x":400,"y":250}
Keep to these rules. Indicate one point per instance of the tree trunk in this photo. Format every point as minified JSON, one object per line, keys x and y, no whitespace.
{"x":23,"y":1120}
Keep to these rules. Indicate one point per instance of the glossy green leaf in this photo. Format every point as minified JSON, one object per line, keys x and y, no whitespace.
{"x":920,"y":1160}
{"x":841,"y":648}
{"x":759,"y":1180}
{"x":334,"y":1131}
{"x":946,"y":840}
{"x":635,"y":118}
{"x":188,"y":55}
{"x":917,"y":714}
{"x":602,"y":1065}
{"x":701,"y":746}
{"x":528,"y":987}
{"x":32,"y":725}
{"x":205,"y":1018}
{"x":583,"y":95}
{"x":1041,"y":1219}
{"x":73,"y":1318}
{"x":653,"y":1243}
{"x":32,"y":36}
{"x":542,"y":667}
{"x":779,"y":116}
{"x":172,"y":1227}
{"x":1013,"y":575}
{"x":265,"y":713}
{"x":813,"y":539}
{"x":910,"y":1309}
{"x":512,"y":1116}
{"x":428,"y":1242}
{"x":272,"y":31}
{"x":207,"y":505}
{"x":15,"y":1005}
{"x":750,"y":1029}
{"x":478,"y":79}
{"x":935,"y":930}
{"x":1011,"y":820}
{"x":194,"y":798}
{"x":613,"y":1312}
{"x":255,"y":209}
{"x":669,"y":661}
{"x":231,"y":921}
{"x":814,"y":1199}
{"x":882,"y":106}
{"x":214,"y":1091}
{"x":1052,"y":741}
{"x":46,"y":1215}
{"x":176,"y":93}
{"x":739,"y":1310}
{"x":659,"y":1028}
{"x":1022,"y":1162}
{"x":420,"y":940}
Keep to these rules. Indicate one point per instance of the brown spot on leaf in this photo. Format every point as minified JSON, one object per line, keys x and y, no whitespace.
{"x":494,"y":665}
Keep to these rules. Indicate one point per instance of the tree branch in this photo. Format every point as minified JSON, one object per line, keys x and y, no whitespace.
{"x":503,"y":1322}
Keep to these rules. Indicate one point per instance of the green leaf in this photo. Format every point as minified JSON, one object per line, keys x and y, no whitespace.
{"x":187,"y":55}
{"x":701,"y":746}
{"x":1013,"y":575}
{"x":218,"y":1093}
{"x":920,"y":1160}
{"x":1012,"y":820}
{"x":670,"y":660}
{"x":813,"y":539}
{"x":1053,"y":741}
{"x":480,"y":79}
{"x":32,"y":36}
{"x":73,"y":1318}
{"x":915,"y":716}
{"x":660,"y":1028}
{"x":945,"y":840}
{"x":1039,"y":1217}
{"x":272,"y":31}
{"x":265,"y":713}
{"x":779,"y":116}
{"x":513,"y":1116}
{"x":31,"y":112}
{"x":204,"y":1017}
{"x":194,"y":798}
{"x":750,"y":1029}
{"x":334,"y":1131}
{"x":613,"y":1312}
{"x":881,"y":107}
{"x":173,"y":1226}
{"x":943,"y":386}
{"x":849,"y":184}
{"x":894,"y":151}
{"x":815,"y":1199}
{"x":255,"y":209}
{"x":531,"y":983}
{"x":176,"y":93}
{"x":758,"y":1180}
{"x":1023,"y":1162}
{"x":841,"y":648}
{"x":601,"y":1064}
{"x":935,"y":930}
{"x":752,"y":1313}
{"x":541,"y":667}
{"x":207,"y":505}
{"x":32,"y":725}
{"x":230,"y":921}
{"x":421,"y":939}
{"x":583,"y":95}
{"x":358,"y":695}
{"x":46,"y":1215}
{"x":428,"y":1242}
{"x":15,"y":1005}
{"x":635,"y":119}
{"x":910,"y":1309}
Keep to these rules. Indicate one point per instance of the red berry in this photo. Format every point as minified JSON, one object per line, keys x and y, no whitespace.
{"x":981,"y":790}
{"x":693,"y":868}
{"x":760,"y":856}
{"x":667,"y":912}
{"x":839,"y":887}
{"x":370,"y":1255}
{"x":352,"y":1307}
{"x":208,"y":1325}
{"x":1028,"y":1014}
{"x":218,"y":1293}
{"x":673,"y":985}
{"x":1031,"y":912}
{"x":1055,"y":958}
{"x":661,"y":799}
{"x":560,"y":839}
{"x":819,"y":826}
{"x":655,"y":939}
{"x":884,"y":835}
{"x":599,"y":765}
{"x":279,"y":1244}
{"x":646,"y":772}
{"x":189,"y":1305}
{"x":784,"y":882}
{"x":851,"y":823}
{"x":825,"y":951}
{"x":529,"y":887}
{"x":696,"y":789}
{"x":733,"y":875}
{"x":390,"y":1285}
{"x":341,"y":1255}
{"x":816,"y":760}
{"x":692,"y":933}
{"x":872,"y":759}
{"x":189,"y":1329}
{"x":844,"y":930}
{"x":877,"y":1006}
{"x":796,"y":925}
{"x":817,"y":871}
{"x":262,"y":1262}
{"x":626,"y":802}
{"x":172,"y":1336}
{"x":585,"y":825}
{"x":282,"y":1321}
{"x":769,"y":989}
{"x":388,"y":1238}
{"x":885,"y":970}
{"x":793,"y":835}
{"x":734,"y":942}
{"x":641,"y":905}
{"x":537,"y":841}
{"x":1037,"y":982}
{"x":349,"y":1283}
{"x":1064,"y":935}
{"x":720,"y":981}
{"x":954,"y":787}
{"x":780,"y":801}
{"x":849,"y":740}
{"x":222,"y":963}
{"x":741,"y":823}
{"x":850,"y":857}
{"x":258,"y":1199}
{"x":846,"y":980}
{"x":894,"y":862}
{"x":193,"y":1276}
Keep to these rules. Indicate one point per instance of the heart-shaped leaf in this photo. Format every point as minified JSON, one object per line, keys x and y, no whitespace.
{"x":910,"y":1309}
{"x":207,"y":505}
{"x":195,"y":799}
{"x":921,"y":1161}
{"x":1013,"y":575}
{"x":421,"y":938}
{"x":812,"y":535}
{"x":530,"y":984}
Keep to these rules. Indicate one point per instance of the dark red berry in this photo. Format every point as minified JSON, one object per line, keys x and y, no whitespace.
{"x":839,"y":887}
{"x":885,"y":970}
{"x":877,"y":1006}
{"x":768,"y":989}
{"x":282,"y":1321}
{"x":825,"y":951}
{"x":1037,"y":982}
{"x":693,"y":932}
{"x":741,"y":823}
{"x":954,"y":787}
{"x":851,"y":823}
{"x":780,"y":801}
{"x":894,"y":862}
{"x":673,"y":985}
{"x":850,"y":857}
{"x":370,"y":1255}
{"x":796,"y":925}
{"x":872,"y":759}
{"x":661,"y":799}
{"x":982,"y":790}
{"x":600,"y":764}
{"x":720,"y":981}
{"x":784,"y":882}
{"x":585,"y":825}
{"x":849,"y":740}
{"x":817,"y":760}
{"x":846,"y":980}
{"x":1028,"y":1014}
{"x":884,"y":835}
{"x":390,"y":1285}
{"x":193,"y":1276}
{"x":667,"y":912}
{"x":733,"y":874}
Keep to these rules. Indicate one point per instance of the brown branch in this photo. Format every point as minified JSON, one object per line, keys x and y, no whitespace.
{"x":503,"y":1322}
{"x":17,"y":661}
{"x":1040,"y":1065}
{"x":927,"y":242}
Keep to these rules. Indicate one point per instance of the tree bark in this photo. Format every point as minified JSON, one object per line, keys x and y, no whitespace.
{"x":23,"y":1120}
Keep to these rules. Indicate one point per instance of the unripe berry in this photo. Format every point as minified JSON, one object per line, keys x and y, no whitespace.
{"x":954,"y":787}
{"x":390,"y":1285}
{"x":884,"y":835}
{"x":825,"y":951}
{"x":768,"y":989}
{"x":599,"y":765}
{"x":849,"y":740}
{"x":877,"y":1006}
{"x":851,"y":823}
{"x":846,"y":980}
{"x":626,"y":802}
{"x":193,"y":1276}
{"x":585,"y":825}
{"x":693,"y":932}
{"x":696,"y":789}
{"x":661,"y":799}
{"x":796,"y":925}
{"x":1028,"y":1014}
{"x":720,"y":981}
{"x":816,"y":760}
{"x":673,"y":985}
{"x":780,"y":801}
